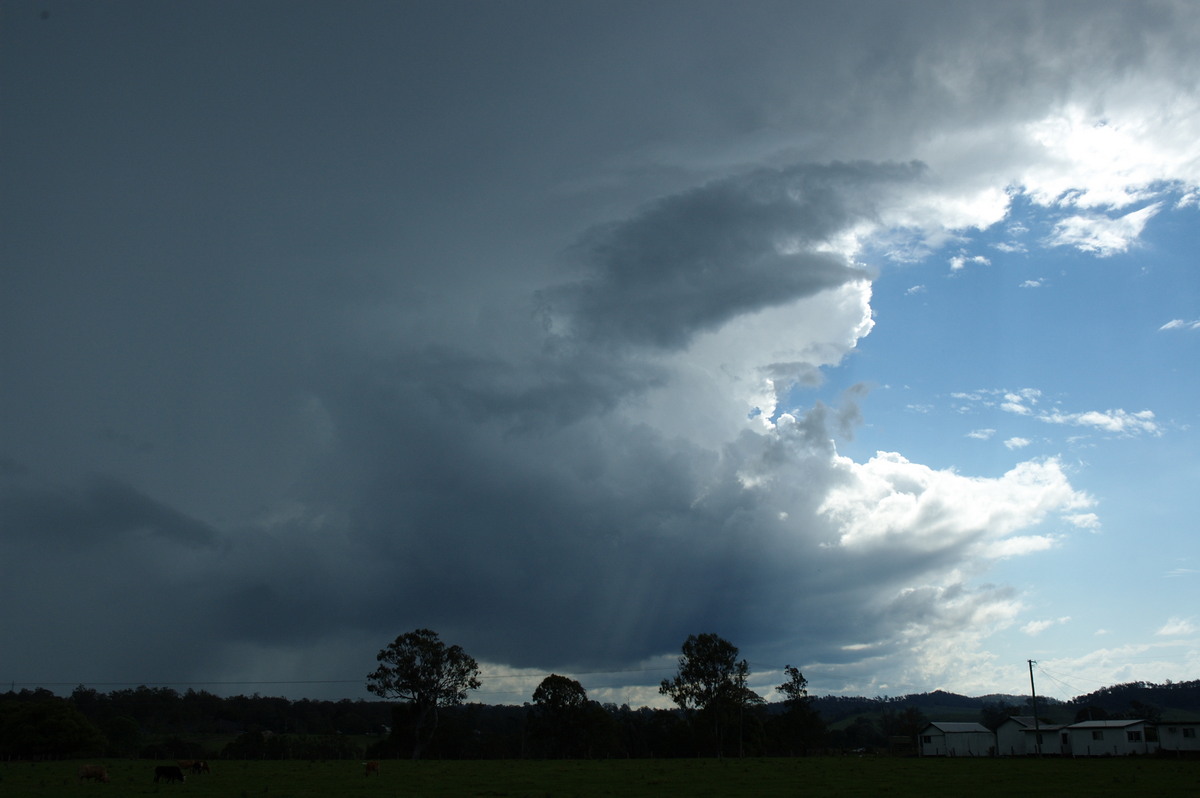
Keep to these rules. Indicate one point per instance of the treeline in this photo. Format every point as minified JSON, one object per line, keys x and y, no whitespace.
{"x":161,"y":723}
{"x":1139,"y":700}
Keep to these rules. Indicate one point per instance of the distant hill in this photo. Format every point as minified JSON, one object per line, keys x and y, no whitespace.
{"x":1169,"y":701}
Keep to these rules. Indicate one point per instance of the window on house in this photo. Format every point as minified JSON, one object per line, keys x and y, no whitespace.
{"x":1134,"y":736}
{"x":1189,"y":732}
{"x":927,"y":738}
{"x":1097,"y":735}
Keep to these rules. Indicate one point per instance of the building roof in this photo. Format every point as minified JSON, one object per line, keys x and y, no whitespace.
{"x":1023,"y":720}
{"x":1107,"y":724}
{"x":950,"y":728}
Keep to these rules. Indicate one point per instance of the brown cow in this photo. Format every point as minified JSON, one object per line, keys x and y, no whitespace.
{"x":169,"y":773}
{"x":370,"y":767}
{"x":93,"y":772}
{"x":200,"y":766}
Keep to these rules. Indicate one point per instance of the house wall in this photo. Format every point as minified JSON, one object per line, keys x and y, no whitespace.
{"x":957,"y":740}
{"x":1112,"y":741}
{"x":1179,"y":736}
{"x":960,"y":744}
{"x":933,"y":743}
{"x":1010,"y":740}
{"x":1052,"y":744}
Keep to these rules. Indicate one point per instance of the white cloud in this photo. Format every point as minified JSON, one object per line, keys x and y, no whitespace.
{"x":1023,"y":403}
{"x":1037,"y":627}
{"x":959,"y":262}
{"x":1019,"y":546}
{"x":1151,"y":662}
{"x":1083,"y":520}
{"x":916,"y":289}
{"x":891,"y":502}
{"x":1100,"y":234}
{"x":1017,"y":443}
{"x":1017,"y":401}
{"x":1116,"y":421}
{"x":1180,"y":324}
{"x":1178,"y":626}
{"x":1114,"y":159}
{"x":981,"y":434}
{"x":1032,"y":284}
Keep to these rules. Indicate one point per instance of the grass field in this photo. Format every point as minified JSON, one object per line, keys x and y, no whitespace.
{"x":849,"y":776}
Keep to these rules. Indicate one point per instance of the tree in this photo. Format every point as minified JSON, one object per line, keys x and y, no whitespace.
{"x":795,"y":689}
{"x":906,"y":722}
{"x":993,"y":714}
{"x":712,"y":681}
{"x":799,"y":726}
{"x":559,"y":694}
{"x":559,"y":713}
{"x":419,"y":668}
{"x":43,"y":726}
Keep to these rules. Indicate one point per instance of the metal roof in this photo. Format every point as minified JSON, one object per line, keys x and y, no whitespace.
{"x":1106,"y":724}
{"x":1024,"y":720}
{"x":959,"y":727}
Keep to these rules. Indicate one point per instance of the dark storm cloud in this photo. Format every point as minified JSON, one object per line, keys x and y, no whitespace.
{"x":602,"y":543}
{"x":99,"y":511}
{"x":694,"y":260}
{"x":554,"y":387}
{"x":283,"y":275}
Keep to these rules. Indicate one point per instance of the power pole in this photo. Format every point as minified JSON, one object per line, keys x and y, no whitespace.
{"x":1037,"y":729}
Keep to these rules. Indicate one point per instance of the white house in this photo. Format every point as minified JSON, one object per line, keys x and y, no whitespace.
{"x":1020,"y":735}
{"x":1111,"y":738}
{"x":1179,"y":735}
{"x":1010,"y":741}
{"x":1047,"y":739}
{"x":957,"y":739}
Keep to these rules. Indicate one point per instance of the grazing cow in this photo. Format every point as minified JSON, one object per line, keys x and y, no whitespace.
{"x":370,"y":767}
{"x":168,"y":773}
{"x":200,"y":766}
{"x":93,"y":772}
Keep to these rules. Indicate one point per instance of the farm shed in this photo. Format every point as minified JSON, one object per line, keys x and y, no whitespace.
{"x":1020,"y":735}
{"x":1111,"y":738}
{"x":1048,"y":739}
{"x":1179,"y":735}
{"x":957,"y":739}
{"x":1010,"y":737}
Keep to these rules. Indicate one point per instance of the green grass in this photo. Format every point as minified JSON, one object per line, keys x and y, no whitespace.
{"x":817,"y":776}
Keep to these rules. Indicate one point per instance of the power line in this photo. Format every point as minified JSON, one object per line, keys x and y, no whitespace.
{"x":1057,"y":680}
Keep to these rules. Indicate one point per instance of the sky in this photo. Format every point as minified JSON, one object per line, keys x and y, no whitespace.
{"x":862,"y":334}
